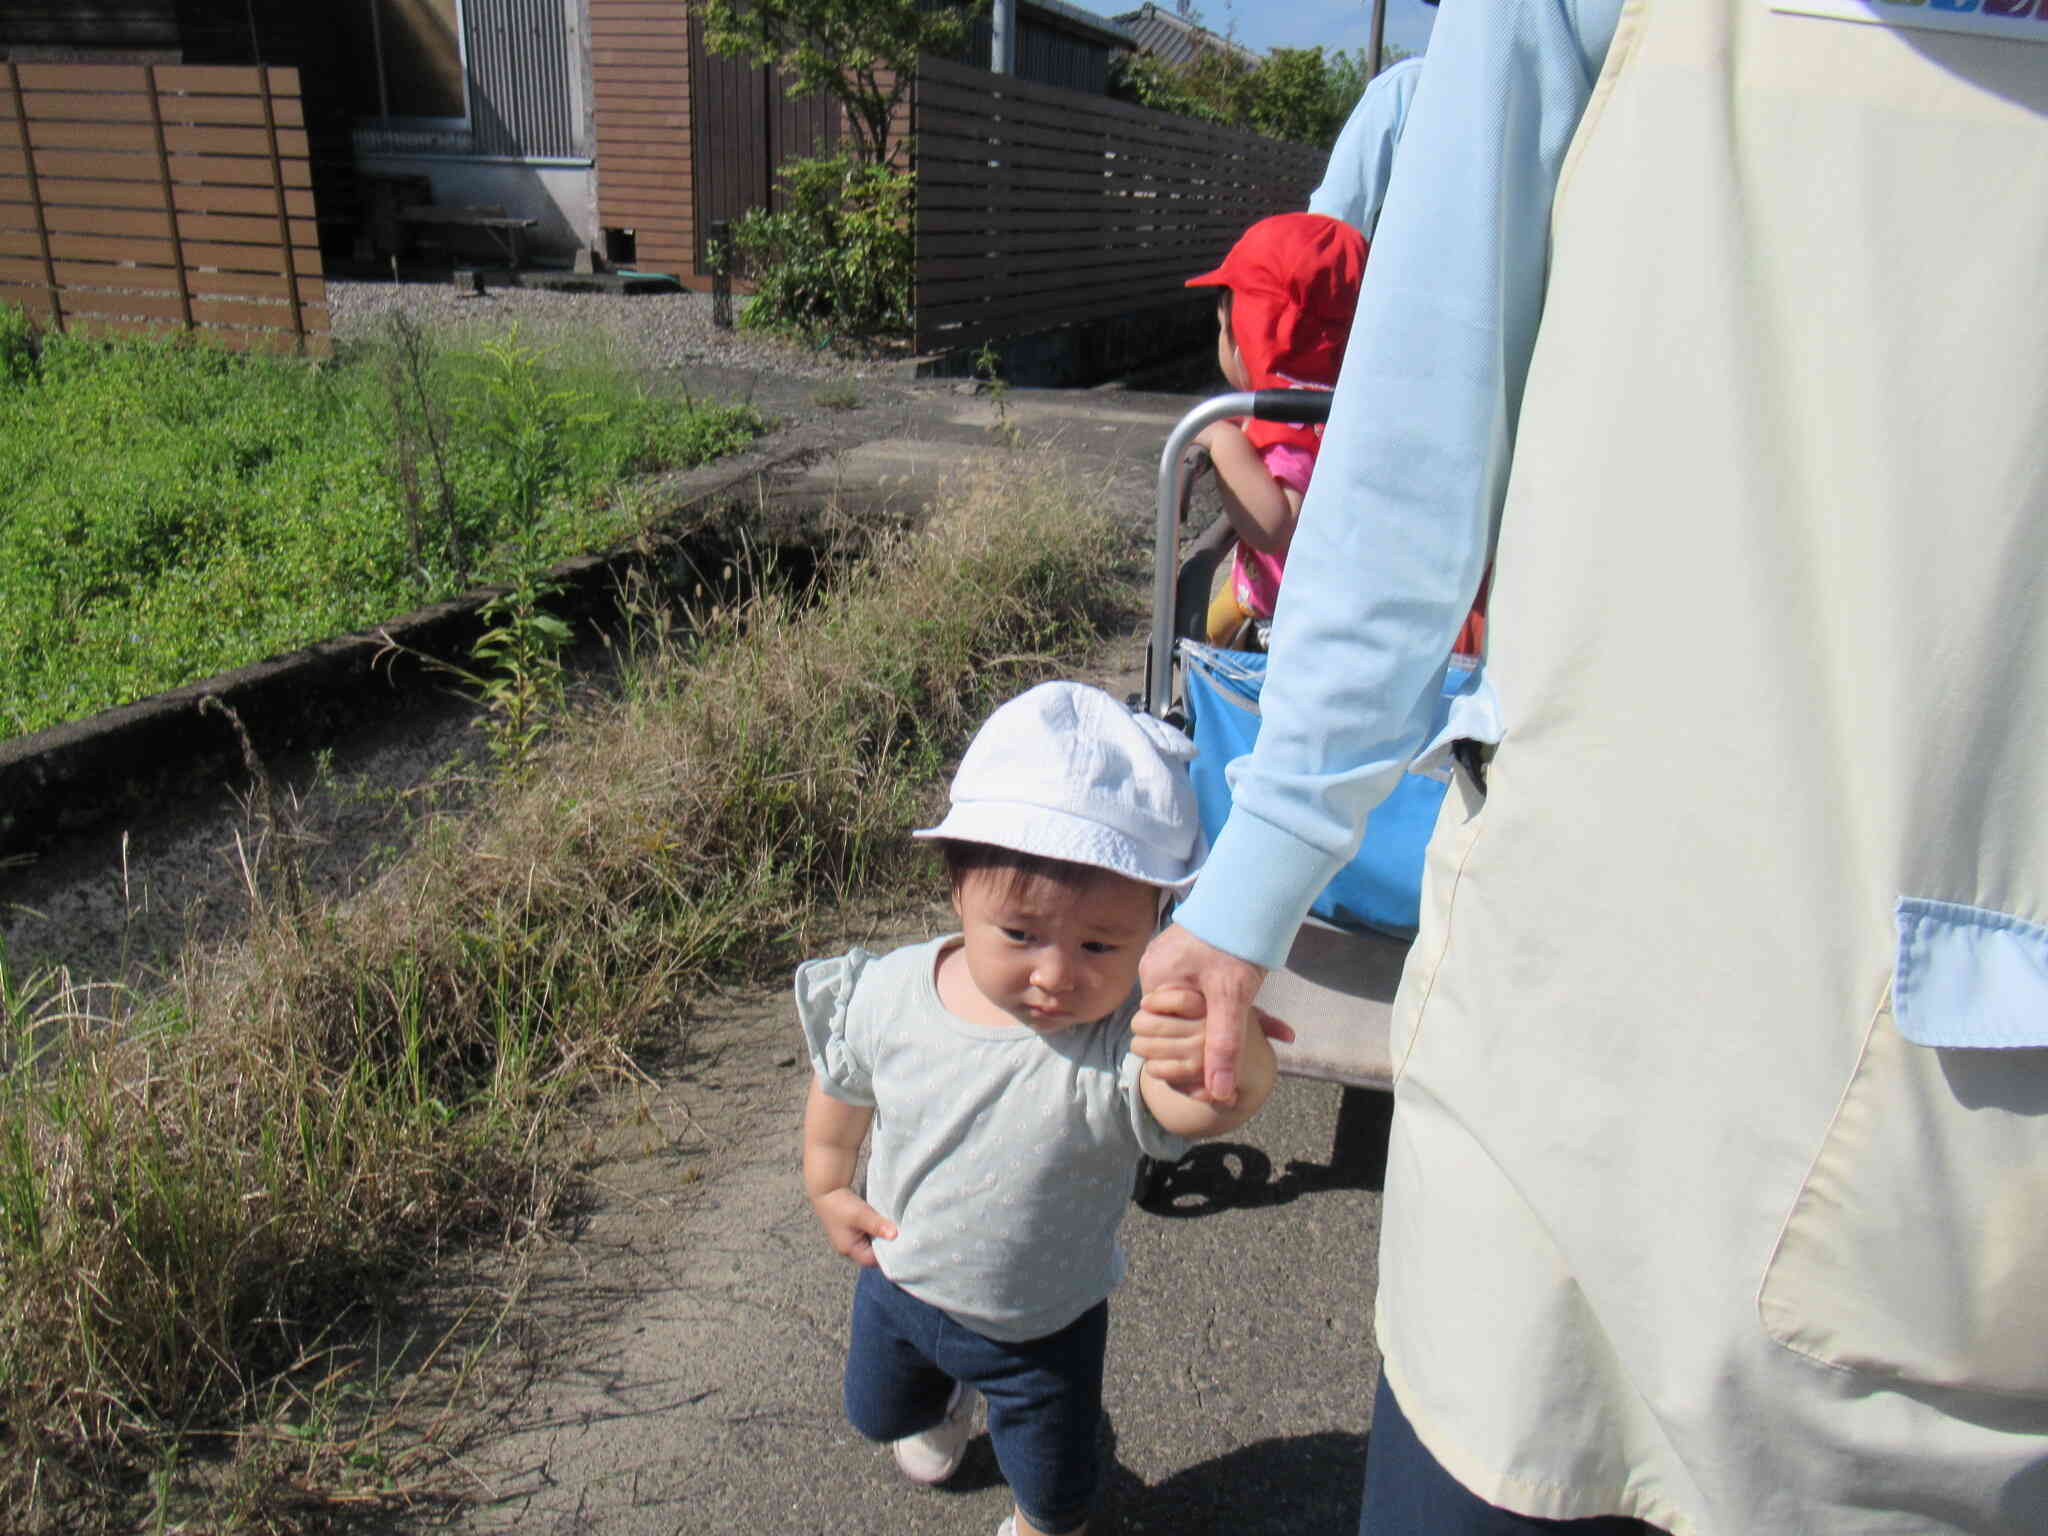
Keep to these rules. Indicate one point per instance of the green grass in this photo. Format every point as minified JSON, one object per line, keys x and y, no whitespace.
{"x":210,"y":1194}
{"x":169,"y":510}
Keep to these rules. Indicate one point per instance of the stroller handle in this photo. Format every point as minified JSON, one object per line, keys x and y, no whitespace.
{"x":1296,"y":405}
{"x":1301,"y":406}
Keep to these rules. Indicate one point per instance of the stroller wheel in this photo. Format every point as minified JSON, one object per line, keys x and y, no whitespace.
{"x":1150,"y":1181}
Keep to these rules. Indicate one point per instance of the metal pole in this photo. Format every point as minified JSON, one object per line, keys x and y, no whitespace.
{"x":1002,"y":48}
{"x":377,"y":47}
{"x":1379,"y":37}
{"x":719,"y":253}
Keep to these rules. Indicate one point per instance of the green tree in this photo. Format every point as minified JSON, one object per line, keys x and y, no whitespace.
{"x":864,"y":52}
{"x":1302,"y":95}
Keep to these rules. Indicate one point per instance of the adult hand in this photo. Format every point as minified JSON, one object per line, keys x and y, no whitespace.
{"x":1177,"y":959}
{"x":1167,"y":1032}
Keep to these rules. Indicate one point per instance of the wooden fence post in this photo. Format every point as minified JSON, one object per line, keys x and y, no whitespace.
{"x":163,"y":168}
{"x":284,"y":220}
{"x":35,"y":197}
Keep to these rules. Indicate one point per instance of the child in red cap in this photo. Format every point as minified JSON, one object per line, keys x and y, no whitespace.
{"x":1289,"y":287}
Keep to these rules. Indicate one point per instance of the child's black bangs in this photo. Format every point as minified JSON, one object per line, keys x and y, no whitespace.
{"x":1015,"y":871}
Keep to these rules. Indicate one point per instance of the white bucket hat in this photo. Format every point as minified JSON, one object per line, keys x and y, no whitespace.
{"x":1064,"y":771}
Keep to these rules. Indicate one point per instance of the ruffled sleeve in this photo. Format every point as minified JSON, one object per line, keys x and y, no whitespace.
{"x":824,"y":1001}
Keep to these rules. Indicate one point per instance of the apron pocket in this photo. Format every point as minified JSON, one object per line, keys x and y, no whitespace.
{"x":1917,"y":1251}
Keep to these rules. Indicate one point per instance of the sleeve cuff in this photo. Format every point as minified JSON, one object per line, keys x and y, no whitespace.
{"x":1254,"y":890}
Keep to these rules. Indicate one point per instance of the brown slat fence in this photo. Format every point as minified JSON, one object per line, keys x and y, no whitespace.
{"x":160,"y":197}
{"x":640,"y":78}
{"x":1039,"y":207}
{"x":746,"y":124}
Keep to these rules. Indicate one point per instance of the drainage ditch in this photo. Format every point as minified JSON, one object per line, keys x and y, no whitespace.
{"x":126,"y":834}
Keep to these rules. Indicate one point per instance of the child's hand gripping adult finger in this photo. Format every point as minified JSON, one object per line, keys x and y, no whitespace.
{"x":852,"y":1225}
{"x":1167,"y":1032}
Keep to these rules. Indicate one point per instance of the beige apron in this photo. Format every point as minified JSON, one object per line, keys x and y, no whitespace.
{"x":1678,"y":1225}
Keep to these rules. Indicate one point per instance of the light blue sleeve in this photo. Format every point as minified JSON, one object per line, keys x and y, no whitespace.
{"x":1398,"y":519}
{"x":1361,"y":161}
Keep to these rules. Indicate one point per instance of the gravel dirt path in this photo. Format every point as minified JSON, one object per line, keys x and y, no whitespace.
{"x":676,"y":1353}
{"x":682,"y":1347}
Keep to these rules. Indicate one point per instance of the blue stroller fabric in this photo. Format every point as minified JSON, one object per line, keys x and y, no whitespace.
{"x":1381,"y":888}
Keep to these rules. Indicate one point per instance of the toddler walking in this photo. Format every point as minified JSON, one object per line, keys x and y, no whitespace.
{"x":994,"y":1069}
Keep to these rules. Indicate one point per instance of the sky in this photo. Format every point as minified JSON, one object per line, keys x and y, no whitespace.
{"x":1264,"y":24}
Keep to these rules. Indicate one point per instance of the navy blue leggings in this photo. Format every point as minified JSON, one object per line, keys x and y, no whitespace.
{"x":1044,"y":1395}
{"x":1408,"y":1494}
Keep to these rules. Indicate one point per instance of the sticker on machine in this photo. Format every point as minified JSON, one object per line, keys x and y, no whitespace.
{"x":2023,"y":21}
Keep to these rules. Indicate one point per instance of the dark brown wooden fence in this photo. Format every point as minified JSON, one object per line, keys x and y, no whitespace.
{"x":685,"y":137}
{"x":1039,"y":207}
{"x":746,"y":124}
{"x":160,"y":197}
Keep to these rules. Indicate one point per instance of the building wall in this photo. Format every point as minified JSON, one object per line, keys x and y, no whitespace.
{"x":27,"y":27}
{"x":562,"y":197}
{"x":1048,"y":54}
{"x":523,"y":62}
{"x":526,"y":144}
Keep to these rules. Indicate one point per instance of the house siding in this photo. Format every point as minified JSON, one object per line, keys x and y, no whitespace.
{"x":521,"y":94}
{"x":640,"y":73}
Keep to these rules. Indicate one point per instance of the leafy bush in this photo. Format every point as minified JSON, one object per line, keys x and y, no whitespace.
{"x":169,"y":510}
{"x":17,"y":346}
{"x":1301,"y":95}
{"x":836,"y":257}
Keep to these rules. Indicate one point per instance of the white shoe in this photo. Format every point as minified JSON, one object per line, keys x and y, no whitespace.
{"x":936,"y":1454}
{"x":1008,"y":1527}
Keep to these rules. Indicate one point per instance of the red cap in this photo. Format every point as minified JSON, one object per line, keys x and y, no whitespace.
{"x":1293,"y":280}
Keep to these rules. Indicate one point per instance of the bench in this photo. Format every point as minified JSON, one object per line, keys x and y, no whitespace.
{"x":509,"y":232}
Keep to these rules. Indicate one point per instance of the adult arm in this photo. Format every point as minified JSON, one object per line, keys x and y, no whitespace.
{"x":1361,"y":162}
{"x":1394,"y":532}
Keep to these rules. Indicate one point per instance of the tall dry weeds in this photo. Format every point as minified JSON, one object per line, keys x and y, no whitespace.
{"x":197,"y":1191}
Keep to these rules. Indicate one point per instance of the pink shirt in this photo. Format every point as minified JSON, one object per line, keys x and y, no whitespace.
{"x":1256,"y":576}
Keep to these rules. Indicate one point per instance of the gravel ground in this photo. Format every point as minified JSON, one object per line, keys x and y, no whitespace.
{"x":662,"y":330}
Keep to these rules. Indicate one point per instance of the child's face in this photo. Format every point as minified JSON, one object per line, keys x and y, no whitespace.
{"x":1227,"y":357}
{"x":1050,"y":955}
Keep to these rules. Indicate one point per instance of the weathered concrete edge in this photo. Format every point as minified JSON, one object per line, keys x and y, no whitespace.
{"x":58,"y":782}
{"x":1081,"y":353}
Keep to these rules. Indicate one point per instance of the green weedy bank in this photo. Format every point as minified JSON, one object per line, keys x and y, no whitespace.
{"x":203,"y":1192}
{"x":169,"y":510}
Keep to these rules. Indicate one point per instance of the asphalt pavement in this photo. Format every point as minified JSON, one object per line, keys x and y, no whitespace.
{"x":688,"y":1340}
